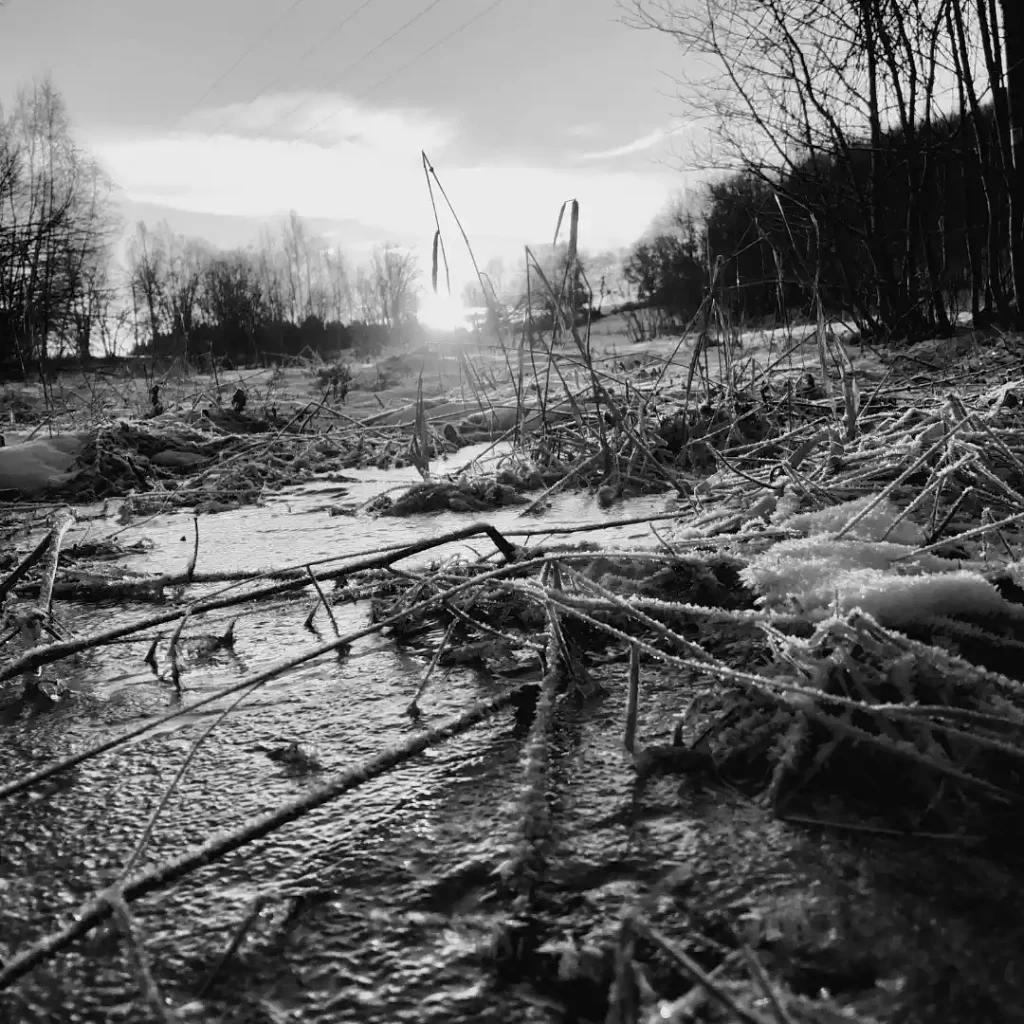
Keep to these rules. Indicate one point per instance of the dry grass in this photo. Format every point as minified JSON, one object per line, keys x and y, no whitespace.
{"x":842,"y":579}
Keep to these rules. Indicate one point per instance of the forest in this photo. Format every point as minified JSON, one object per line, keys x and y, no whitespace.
{"x":876,"y":163}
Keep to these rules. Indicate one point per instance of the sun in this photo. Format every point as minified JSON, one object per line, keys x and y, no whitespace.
{"x":441,"y":312}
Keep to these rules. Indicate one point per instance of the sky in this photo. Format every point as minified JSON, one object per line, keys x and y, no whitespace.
{"x":222,"y":115}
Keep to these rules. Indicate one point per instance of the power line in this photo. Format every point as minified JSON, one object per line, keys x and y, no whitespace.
{"x":332,"y":31}
{"x":408,"y":23}
{"x":430,"y":49}
{"x":405,"y":67}
{"x":245,"y":53}
{"x":369,"y":53}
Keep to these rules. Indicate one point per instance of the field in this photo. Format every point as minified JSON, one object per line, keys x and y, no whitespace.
{"x":768,"y":758}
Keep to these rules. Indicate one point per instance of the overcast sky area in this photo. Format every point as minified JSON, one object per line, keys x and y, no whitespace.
{"x":220,"y":114}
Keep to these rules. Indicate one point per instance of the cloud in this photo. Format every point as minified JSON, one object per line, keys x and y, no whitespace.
{"x":585,"y":130}
{"x":647,"y":141}
{"x":321,"y":155}
{"x":367,"y":168}
{"x":323,"y":118}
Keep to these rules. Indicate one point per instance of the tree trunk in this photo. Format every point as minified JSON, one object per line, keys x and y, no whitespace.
{"x":988,"y":160}
{"x":83,"y":337}
{"x":1013,"y":50}
{"x":877,"y":240}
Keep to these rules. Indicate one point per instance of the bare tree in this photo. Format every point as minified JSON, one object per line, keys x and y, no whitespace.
{"x":393,"y":273}
{"x":115,"y":325}
{"x":301,"y":277}
{"x":835,"y":106}
{"x":55,"y":229}
{"x":232,"y":299}
{"x":270,"y":264}
{"x":147,"y":275}
{"x":295,"y":255}
{"x":88,"y":259}
{"x":367,"y":299}
{"x":338,"y":284}
{"x":185,"y":260}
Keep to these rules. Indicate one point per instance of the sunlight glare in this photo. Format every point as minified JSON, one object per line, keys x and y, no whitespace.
{"x":441,"y":312}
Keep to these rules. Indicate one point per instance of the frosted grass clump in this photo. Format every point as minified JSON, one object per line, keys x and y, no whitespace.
{"x":872,"y":527}
{"x":819,"y":575}
{"x":808,"y":569}
{"x":904,"y":600}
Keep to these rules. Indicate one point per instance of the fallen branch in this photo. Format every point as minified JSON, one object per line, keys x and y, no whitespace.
{"x":164,"y":875}
{"x":55,"y":652}
{"x":265,"y":676}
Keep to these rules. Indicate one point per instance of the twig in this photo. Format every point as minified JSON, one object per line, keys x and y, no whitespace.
{"x":237,"y":938}
{"x":51,"y":557}
{"x":168,"y":792}
{"x":22,"y":568}
{"x":54,"y":652}
{"x":266,"y":675}
{"x":759,"y":975}
{"x":159,"y":878}
{"x":190,"y":569}
{"x":414,"y":707}
{"x":695,"y":971}
{"x":322,"y":600}
{"x":632,"y":698}
{"x":115,"y":901}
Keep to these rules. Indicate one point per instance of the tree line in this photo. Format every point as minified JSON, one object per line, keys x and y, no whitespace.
{"x":875,"y":170}
{"x":290,"y":294}
{"x":72,"y":286}
{"x":876,"y":163}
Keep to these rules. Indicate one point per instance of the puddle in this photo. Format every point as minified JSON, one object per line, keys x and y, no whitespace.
{"x":380,"y":906}
{"x":377,"y":941}
{"x":295,"y":525}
